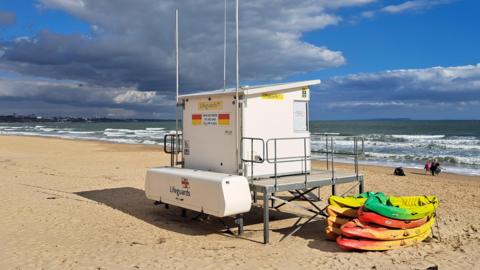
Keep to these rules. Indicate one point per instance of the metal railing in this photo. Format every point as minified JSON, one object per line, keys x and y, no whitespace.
{"x":284,"y":159}
{"x":253,"y":158}
{"x":329,"y":151}
{"x":358,"y":150}
{"x":170,"y":147}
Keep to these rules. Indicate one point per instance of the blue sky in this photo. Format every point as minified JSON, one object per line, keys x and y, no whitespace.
{"x":377,"y":59}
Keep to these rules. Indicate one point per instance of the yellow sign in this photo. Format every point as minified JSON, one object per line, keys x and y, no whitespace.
{"x":272,"y":96}
{"x":210,"y":105}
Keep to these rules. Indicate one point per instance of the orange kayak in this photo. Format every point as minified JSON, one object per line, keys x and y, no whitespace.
{"x":375,"y":245}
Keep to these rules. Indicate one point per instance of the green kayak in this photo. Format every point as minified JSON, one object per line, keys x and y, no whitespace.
{"x":403,"y":208}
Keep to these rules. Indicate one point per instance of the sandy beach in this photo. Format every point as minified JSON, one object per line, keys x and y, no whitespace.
{"x":80,"y":205}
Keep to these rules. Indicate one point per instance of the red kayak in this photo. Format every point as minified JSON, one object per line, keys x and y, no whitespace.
{"x":372,"y":217}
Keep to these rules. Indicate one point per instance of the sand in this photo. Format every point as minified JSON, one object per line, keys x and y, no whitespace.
{"x":80,"y":205}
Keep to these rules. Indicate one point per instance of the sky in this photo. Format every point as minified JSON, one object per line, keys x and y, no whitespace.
{"x":415,"y":59}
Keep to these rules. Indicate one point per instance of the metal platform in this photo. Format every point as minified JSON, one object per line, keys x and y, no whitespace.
{"x":299,"y":186}
{"x":316,"y":178}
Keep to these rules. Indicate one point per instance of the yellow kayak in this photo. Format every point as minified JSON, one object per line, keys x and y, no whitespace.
{"x":332,"y":232}
{"x":337,"y":221}
{"x":333,"y":210}
{"x":355,"y":201}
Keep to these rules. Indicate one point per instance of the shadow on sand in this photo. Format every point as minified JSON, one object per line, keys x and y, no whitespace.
{"x":133,"y":202}
{"x":313,"y":231}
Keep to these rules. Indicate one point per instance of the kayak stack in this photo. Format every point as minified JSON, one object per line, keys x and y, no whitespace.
{"x":342,"y":210}
{"x":381,"y":222}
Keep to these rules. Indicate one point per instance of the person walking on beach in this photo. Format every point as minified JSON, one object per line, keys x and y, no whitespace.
{"x":435,"y":168}
{"x":428,"y":165}
{"x":438,"y":169}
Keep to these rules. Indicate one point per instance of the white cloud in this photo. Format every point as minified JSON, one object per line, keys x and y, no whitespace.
{"x":426,"y":93}
{"x":407,"y":6}
{"x":72,"y":5}
{"x":457,"y":86}
{"x":349,"y":104}
{"x":79,"y":94}
{"x":134,"y":96}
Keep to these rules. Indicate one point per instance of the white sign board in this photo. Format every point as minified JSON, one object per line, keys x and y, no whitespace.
{"x":300,"y":115}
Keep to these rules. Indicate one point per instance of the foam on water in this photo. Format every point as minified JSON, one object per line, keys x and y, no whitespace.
{"x":150,"y":136}
{"x":457,"y":151}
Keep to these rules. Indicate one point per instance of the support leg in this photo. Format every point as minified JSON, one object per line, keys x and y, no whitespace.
{"x":334,"y":188}
{"x":273,"y":201}
{"x":266,"y":225}
{"x":239,"y":222}
{"x":255,"y":196}
{"x":361,"y":186}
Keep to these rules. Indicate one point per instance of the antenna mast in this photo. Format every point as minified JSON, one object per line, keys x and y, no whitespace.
{"x":177,"y":141}
{"x":225,"y":49}
{"x":237,"y":103}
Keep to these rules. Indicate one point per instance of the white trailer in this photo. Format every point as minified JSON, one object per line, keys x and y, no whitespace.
{"x":216,"y":194}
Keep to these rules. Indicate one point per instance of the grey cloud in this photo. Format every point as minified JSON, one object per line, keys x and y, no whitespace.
{"x":132,"y":43}
{"x":81,"y":96}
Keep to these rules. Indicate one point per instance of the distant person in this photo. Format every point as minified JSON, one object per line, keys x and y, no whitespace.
{"x":399,"y":171}
{"x":438,"y":168}
{"x":428,"y":166}
{"x":435,"y":168}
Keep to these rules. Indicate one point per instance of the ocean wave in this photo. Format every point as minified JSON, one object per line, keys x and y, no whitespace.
{"x":418,"y":137}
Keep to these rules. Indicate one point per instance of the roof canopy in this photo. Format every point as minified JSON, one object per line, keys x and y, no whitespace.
{"x":252,"y":90}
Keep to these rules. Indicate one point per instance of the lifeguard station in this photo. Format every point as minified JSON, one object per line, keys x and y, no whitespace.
{"x":236,"y":143}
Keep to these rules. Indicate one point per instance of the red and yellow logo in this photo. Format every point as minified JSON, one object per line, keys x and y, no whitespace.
{"x":196,"y":119}
{"x":224,"y":119}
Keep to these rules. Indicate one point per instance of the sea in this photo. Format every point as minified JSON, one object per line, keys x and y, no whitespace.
{"x":394,"y":143}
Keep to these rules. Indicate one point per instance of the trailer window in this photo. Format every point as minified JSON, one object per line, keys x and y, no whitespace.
{"x":300,"y":116}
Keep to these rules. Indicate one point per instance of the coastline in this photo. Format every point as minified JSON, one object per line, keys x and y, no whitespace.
{"x":80,"y":204}
{"x":160,"y":148}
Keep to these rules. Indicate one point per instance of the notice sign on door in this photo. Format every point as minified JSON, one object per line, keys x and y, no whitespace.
{"x":211,"y":119}
{"x":300,"y":116}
